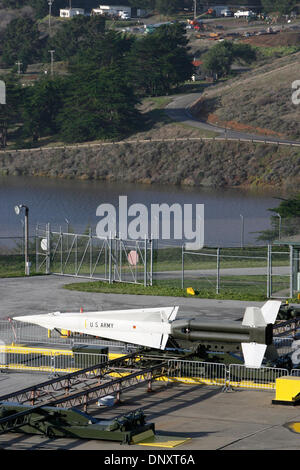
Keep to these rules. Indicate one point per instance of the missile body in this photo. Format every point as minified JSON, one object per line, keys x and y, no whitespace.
{"x":229,"y":332}
{"x":152,"y":327}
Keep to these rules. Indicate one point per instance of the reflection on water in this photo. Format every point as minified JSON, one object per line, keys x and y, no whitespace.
{"x":229,"y":214}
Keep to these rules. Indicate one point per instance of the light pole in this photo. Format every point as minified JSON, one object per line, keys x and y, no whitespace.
{"x":279,"y":228}
{"x":242,"y":230}
{"x":17,"y":211}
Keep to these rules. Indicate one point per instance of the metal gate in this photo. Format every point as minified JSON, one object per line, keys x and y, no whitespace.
{"x":88,"y":256}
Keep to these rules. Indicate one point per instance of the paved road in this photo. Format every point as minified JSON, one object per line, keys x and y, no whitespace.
{"x":179,"y":110}
{"x":43,"y":294}
{"x":196,"y":273}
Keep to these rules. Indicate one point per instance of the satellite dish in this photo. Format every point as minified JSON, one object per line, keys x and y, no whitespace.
{"x":17,"y":210}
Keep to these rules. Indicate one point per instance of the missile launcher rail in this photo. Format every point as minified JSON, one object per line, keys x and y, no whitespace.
{"x":36,"y":409}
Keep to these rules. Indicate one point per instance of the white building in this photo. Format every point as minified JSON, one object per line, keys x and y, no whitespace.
{"x":70,"y":12}
{"x":119,"y":10}
{"x":111,"y":10}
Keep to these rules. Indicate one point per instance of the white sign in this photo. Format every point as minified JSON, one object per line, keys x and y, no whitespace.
{"x":44,"y":244}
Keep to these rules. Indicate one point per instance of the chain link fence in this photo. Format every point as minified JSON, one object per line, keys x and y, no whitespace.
{"x":258,"y":271}
{"x":12,"y":255}
{"x":261,"y":272}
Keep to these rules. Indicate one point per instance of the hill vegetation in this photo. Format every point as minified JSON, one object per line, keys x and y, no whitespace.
{"x":262,"y":100}
{"x":97,"y":97}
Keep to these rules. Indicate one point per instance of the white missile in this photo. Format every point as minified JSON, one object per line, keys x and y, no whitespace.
{"x":149,"y":327}
{"x":152,"y":327}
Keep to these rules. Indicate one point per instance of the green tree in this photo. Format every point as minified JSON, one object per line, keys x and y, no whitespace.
{"x":10,"y":112}
{"x":167,"y":7}
{"x":21,"y":42}
{"x":74,"y":35}
{"x":159,"y":62}
{"x":102,"y":107}
{"x":286,"y":216}
{"x":41,"y":106}
{"x":219,"y":59}
{"x":101,"y":50}
{"x":282,"y":6}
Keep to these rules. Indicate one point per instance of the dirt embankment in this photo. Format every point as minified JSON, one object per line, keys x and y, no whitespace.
{"x":201,"y":110}
{"x":191,"y":163}
{"x":284,"y":39}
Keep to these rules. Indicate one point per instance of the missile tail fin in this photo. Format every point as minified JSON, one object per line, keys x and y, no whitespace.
{"x":253,"y":354}
{"x":270,"y":310}
{"x":255,"y":316}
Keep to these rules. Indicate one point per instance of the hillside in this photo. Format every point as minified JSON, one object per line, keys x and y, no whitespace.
{"x":259,"y":101}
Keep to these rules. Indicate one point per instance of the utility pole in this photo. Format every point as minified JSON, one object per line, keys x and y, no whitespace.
{"x":50,"y":7}
{"x":19,"y":66}
{"x":52,"y":52}
{"x":195,"y":8}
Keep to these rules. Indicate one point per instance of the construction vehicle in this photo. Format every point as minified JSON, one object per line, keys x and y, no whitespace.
{"x":196,"y":22}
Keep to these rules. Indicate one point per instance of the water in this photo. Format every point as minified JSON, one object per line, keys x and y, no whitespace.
{"x":231,"y":216}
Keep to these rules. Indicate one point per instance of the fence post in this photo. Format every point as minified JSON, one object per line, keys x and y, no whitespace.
{"x":109,"y":258}
{"x":269,"y":274}
{"x":48,"y":255}
{"x":151,"y":261}
{"x":182,"y":266}
{"x":91,"y":251}
{"x":61,"y":249}
{"x":291,"y":271}
{"x":218,"y":271}
{"x":36,"y":249}
{"x":145,"y":262}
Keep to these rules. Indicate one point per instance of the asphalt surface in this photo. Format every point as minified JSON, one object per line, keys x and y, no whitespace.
{"x":43,"y":294}
{"x":208,"y":417}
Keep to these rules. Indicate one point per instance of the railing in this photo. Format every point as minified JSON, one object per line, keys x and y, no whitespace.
{"x":42,"y":360}
{"x":197,"y":372}
{"x":182,"y":371}
{"x":262,"y":378}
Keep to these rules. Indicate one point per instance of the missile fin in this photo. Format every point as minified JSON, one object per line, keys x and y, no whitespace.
{"x":270,"y":310}
{"x":253,"y":354}
{"x":172,"y":315}
{"x":253,"y":317}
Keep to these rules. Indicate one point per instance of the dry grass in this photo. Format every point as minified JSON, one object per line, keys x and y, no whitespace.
{"x":260,"y":99}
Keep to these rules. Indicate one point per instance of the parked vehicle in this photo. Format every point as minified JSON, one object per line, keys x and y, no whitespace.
{"x":244,"y":14}
{"x":124,"y":15}
{"x":226,"y":12}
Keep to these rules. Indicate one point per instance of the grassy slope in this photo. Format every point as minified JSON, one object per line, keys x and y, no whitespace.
{"x":262,"y":100}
